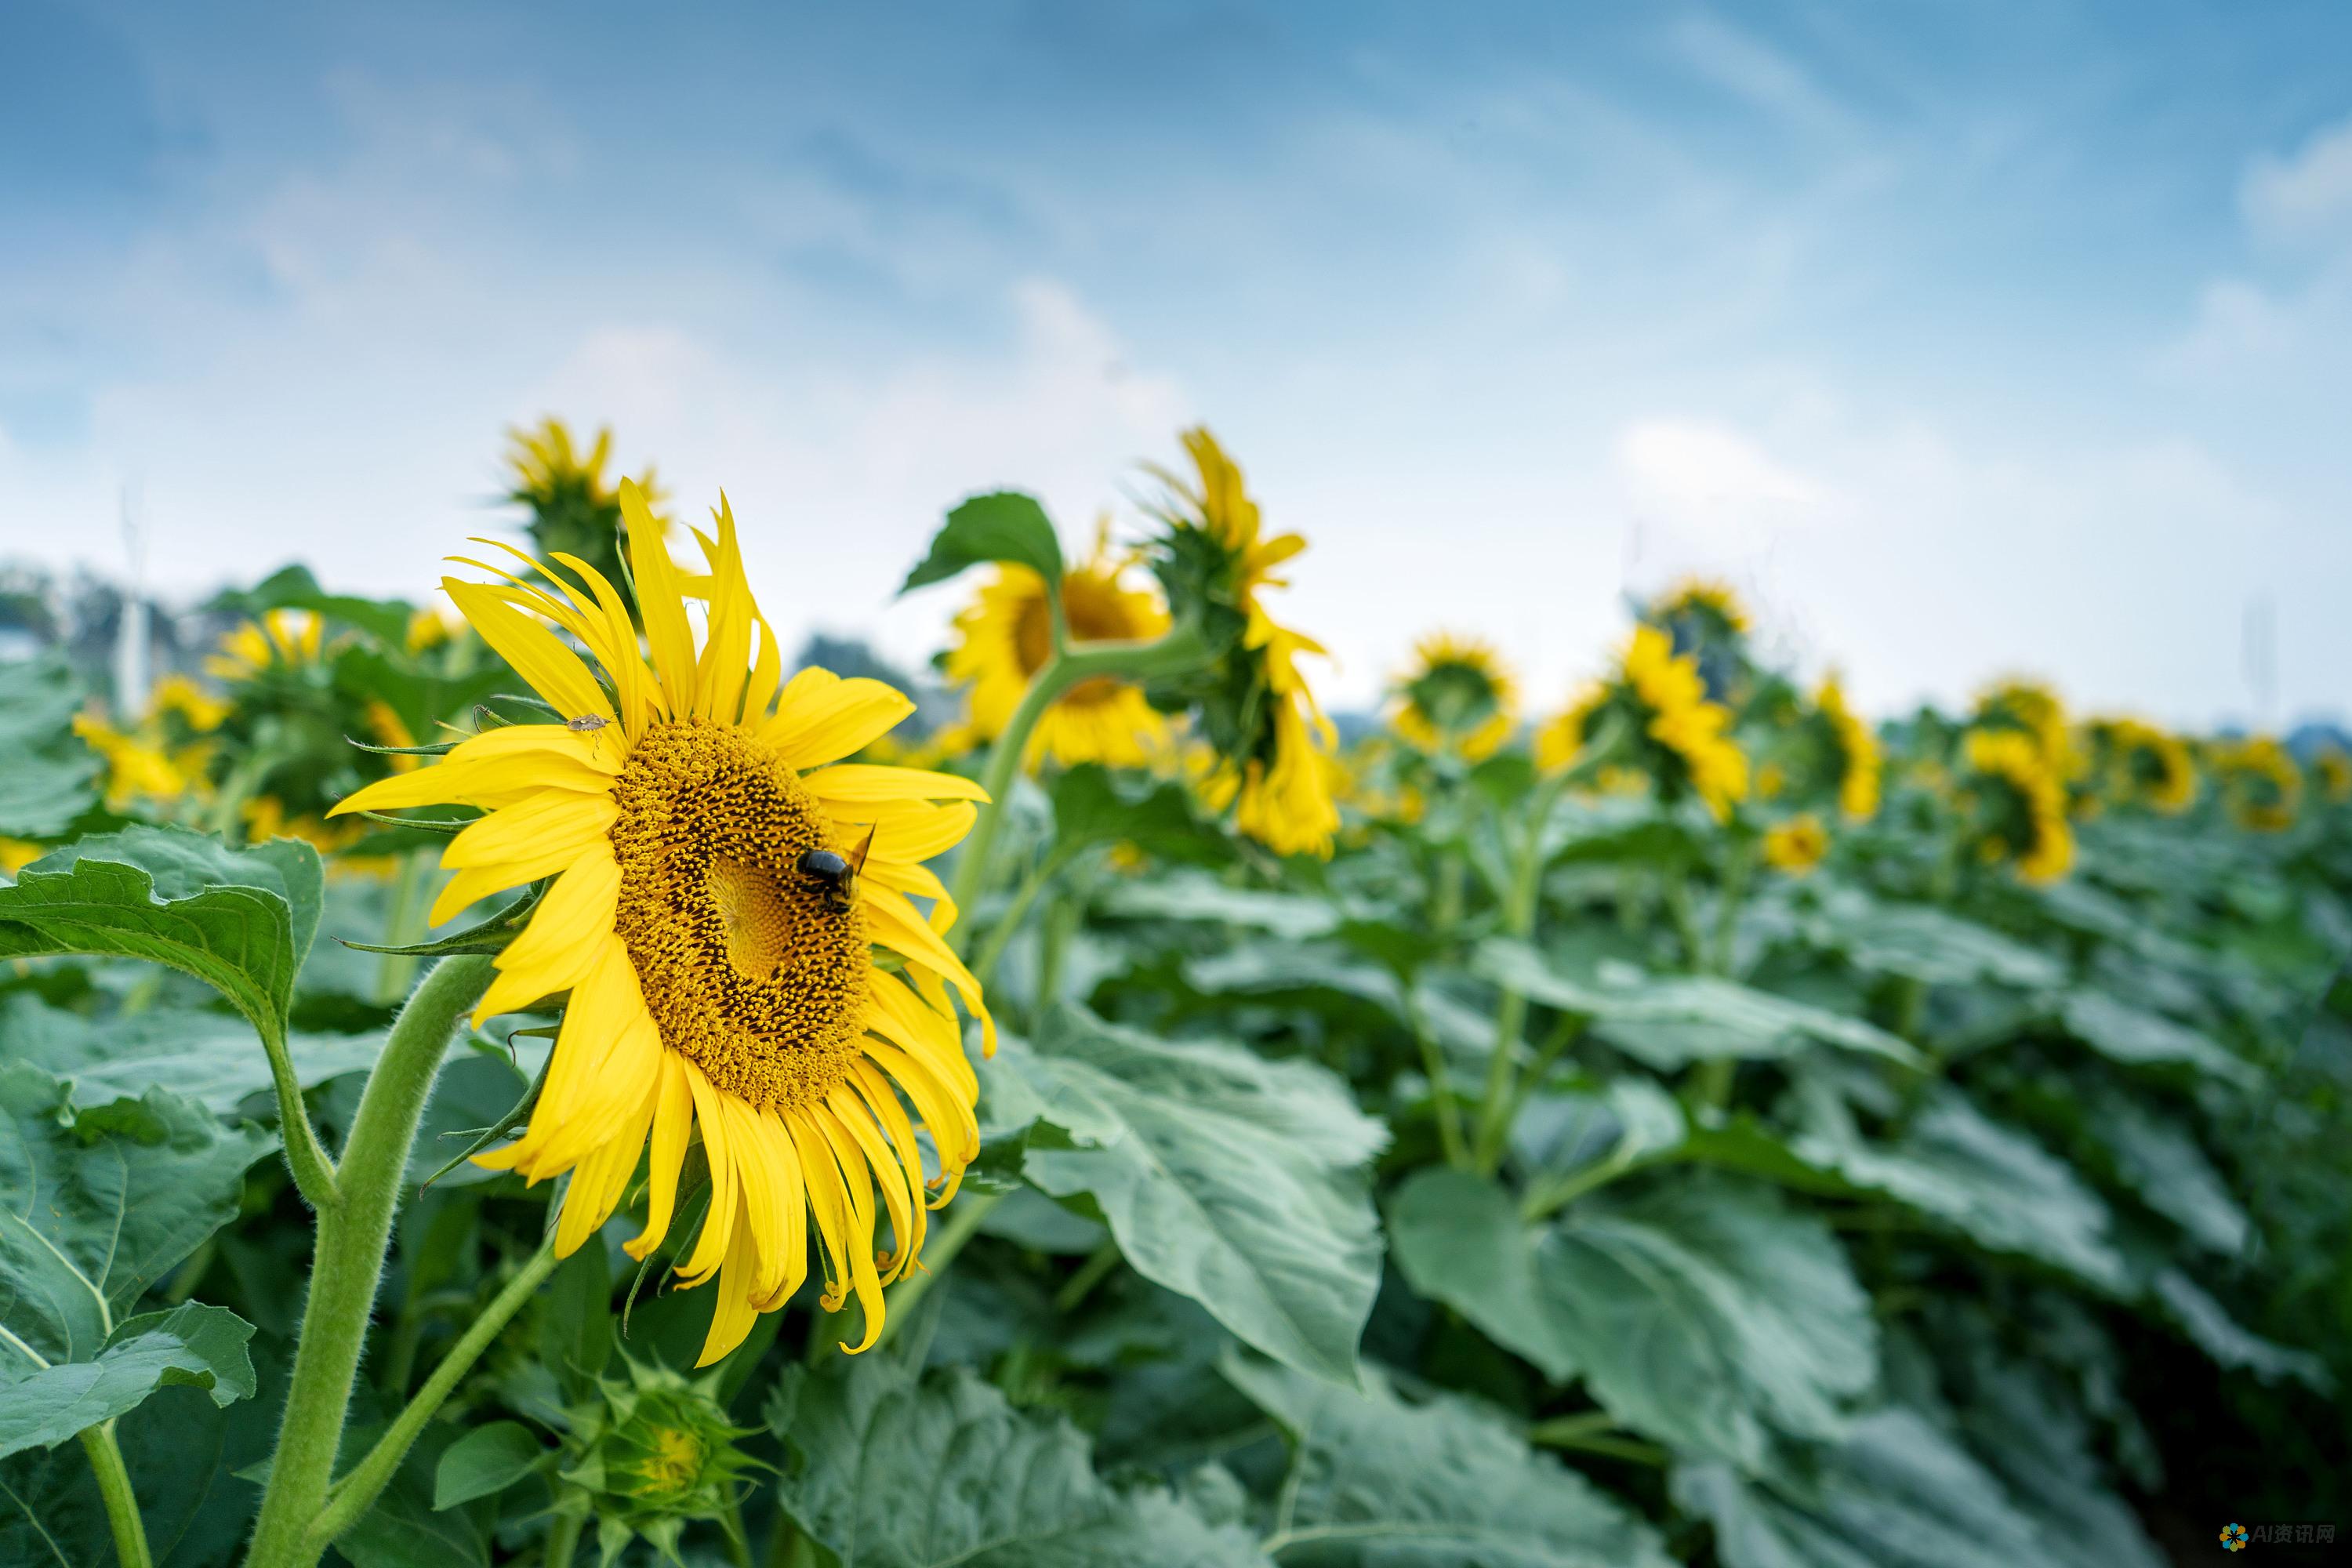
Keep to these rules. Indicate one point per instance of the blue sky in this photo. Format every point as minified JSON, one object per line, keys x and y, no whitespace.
{"x":1965,"y":337}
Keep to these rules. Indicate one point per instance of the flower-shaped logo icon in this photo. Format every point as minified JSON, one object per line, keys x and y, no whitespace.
{"x":2233,"y":1538}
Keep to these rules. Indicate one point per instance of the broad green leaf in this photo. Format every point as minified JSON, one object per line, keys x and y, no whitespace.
{"x":2137,"y":1037}
{"x":206,"y":1057}
{"x":1704,"y":1314}
{"x":1927,"y":944}
{"x":1089,"y":807}
{"x":942,"y":1472}
{"x":1897,"y":1493}
{"x":1669,"y":1021}
{"x":96,"y":1206}
{"x":203,"y":1347}
{"x":1197,"y":896}
{"x":1632,"y":1120}
{"x":1458,"y":1239}
{"x":1006,"y":526}
{"x":2031,"y":1436}
{"x":293,"y":588}
{"x":1224,"y":1177}
{"x":404,"y":1528}
{"x":1991,"y":1182}
{"x":2156,"y":1156}
{"x":483,"y":1462}
{"x":240,"y":921}
{"x":47,"y":775}
{"x":1382,"y":1484}
{"x":183,"y":1452}
{"x":2220,"y":1336}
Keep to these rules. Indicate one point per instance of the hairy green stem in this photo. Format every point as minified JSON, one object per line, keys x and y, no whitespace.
{"x":348,"y":1259}
{"x":306,"y":1157}
{"x":356,"y":1492}
{"x":114,"y":1490}
{"x":564,"y":1540}
{"x":1450,"y":1136}
{"x":963,"y":1219}
{"x":1519,"y":903}
{"x":1181,"y":649}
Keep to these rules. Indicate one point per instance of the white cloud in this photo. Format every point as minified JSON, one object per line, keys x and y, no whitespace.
{"x":1713,"y":484}
{"x":2305,"y":196}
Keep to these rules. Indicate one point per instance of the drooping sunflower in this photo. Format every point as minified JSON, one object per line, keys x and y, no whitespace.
{"x":2023,"y":801}
{"x":1858,"y":755}
{"x":1703,"y":599}
{"x":2146,"y":765}
{"x":177,"y":698}
{"x":2036,"y":711}
{"x":719,"y":957}
{"x":2260,"y":783}
{"x":1007,"y":635}
{"x":2334,"y":767}
{"x":1273,"y":743}
{"x":1796,"y":845}
{"x":1457,"y":696}
{"x":137,"y":766}
{"x":1684,"y":744}
{"x":575,"y":509}
{"x":280,"y":637}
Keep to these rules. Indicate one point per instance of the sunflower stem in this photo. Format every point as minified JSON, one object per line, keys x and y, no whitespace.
{"x":114,"y":1490}
{"x":348,"y":1259}
{"x":564,"y":1540}
{"x":1441,"y":1089}
{"x":1181,"y":649}
{"x":962,"y":1223}
{"x":1498,"y":1100}
{"x":314,"y":1173}
{"x":357,"y":1490}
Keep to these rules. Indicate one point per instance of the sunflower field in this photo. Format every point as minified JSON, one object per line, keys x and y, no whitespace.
{"x":556,"y":1074}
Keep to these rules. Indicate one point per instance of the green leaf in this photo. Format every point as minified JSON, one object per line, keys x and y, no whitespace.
{"x":2157,"y":1158}
{"x":485,"y":1461}
{"x":898,"y":1472}
{"x":293,"y":588}
{"x":1003,"y":526}
{"x":1632,"y":1120}
{"x":1197,"y":896}
{"x":240,"y":921}
{"x":404,"y":1528}
{"x":1926,"y":945}
{"x":1224,"y":1177}
{"x":1707,"y":1315}
{"x":1670,"y":1021}
{"x":1991,"y":1182}
{"x":1090,"y":808}
{"x":1458,"y":1239}
{"x":203,"y":1347}
{"x":95,"y":1206}
{"x":206,"y":1057}
{"x":2219,"y":1335}
{"x":1897,"y":1493}
{"x":2137,"y":1037}
{"x":47,"y":775}
{"x":1377,"y":1483}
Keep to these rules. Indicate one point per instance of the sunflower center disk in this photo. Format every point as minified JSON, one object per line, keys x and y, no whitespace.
{"x":748,"y":970}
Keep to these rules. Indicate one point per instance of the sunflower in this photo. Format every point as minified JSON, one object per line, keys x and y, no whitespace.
{"x":574,"y":510}
{"x":1797,"y":845}
{"x":1857,"y":748}
{"x":138,"y":765}
{"x":1273,"y":742}
{"x":2034,"y":709}
{"x":1701,"y":600}
{"x":718,"y":956}
{"x":1458,"y":694}
{"x":176,"y":696}
{"x":1663,"y":692}
{"x":279,"y":638}
{"x":2334,"y":767}
{"x":1007,"y":637}
{"x":2147,"y":764}
{"x":2260,"y":782}
{"x":2028,"y":814}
